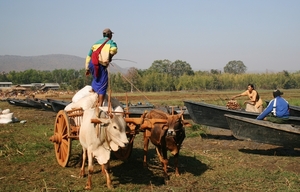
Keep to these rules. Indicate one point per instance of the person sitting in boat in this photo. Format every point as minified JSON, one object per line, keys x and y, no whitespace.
{"x":277,"y":110}
{"x":255,"y":103}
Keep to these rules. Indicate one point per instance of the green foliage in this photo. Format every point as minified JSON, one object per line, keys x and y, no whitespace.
{"x":235,"y":67}
{"x":195,"y":131}
{"x":163,"y":75}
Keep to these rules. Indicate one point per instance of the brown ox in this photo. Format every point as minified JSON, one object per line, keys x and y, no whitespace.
{"x":165,"y":136}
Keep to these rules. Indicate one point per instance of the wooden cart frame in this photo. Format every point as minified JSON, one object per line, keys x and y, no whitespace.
{"x":67,"y":126}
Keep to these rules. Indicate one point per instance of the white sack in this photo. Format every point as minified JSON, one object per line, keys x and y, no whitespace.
{"x":7,"y":116}
{"x":82,"y":93}
{"x":85,"y":103}
{"x":5,"y":111}
{"x":5,"y":121}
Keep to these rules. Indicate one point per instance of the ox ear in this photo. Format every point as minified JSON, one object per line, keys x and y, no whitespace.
{"x":186,"y":123}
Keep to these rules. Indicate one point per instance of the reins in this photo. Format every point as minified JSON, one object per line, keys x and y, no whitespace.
{"x":129,"y":82}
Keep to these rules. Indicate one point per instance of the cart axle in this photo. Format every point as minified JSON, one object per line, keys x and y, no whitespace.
{"x":55,"y":138}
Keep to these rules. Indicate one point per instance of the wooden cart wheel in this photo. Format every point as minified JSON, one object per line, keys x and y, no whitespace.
{"x":125,"y":152}
{"x":61,"y":140}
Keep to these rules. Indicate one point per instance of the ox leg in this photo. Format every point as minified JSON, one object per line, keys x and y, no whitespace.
{"x":162,"y":154}
{"x":176,"y":164}
{"x":146,"y":144}
{"x":165,"y":157}
{"x":82,"y":170}
{"x":108,"y":179}
{"x":90,"y":170}
{"x":103,"y":167}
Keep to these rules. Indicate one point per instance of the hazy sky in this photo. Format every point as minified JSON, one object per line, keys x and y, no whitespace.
{"x":207,"y":34}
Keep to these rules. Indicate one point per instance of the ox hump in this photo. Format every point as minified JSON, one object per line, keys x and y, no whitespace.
{"x":157,"y":114}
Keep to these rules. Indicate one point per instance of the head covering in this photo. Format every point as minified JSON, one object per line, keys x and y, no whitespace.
{"x":107,"y":31}
{"x":277,"y":93}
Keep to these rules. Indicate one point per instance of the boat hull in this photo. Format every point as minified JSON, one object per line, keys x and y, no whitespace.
{"x":46,"y":105}
{"x":294,"y":111}
{"x":213,"y":115}
{"x":19,"y":102}
{"x":35,"y":103}
{"x":134,"y":111}
{"x":260,"y":131}
{"x":58,"y":105}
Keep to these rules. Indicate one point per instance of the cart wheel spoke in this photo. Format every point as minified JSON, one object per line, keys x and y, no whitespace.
{"x":65,"y":142}
{"x":62,"y":142}
{"x":65,"y":137}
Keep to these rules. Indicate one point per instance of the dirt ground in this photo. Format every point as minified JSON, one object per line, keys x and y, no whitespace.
{"x":222,"y":139}
{"x":215,"y":153}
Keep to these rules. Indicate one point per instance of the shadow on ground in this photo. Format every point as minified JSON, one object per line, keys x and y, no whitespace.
{"x":277,"y":151}
{"x":132,"y":170}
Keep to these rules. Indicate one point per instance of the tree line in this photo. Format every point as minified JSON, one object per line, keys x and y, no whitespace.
{"x":163,"y":75}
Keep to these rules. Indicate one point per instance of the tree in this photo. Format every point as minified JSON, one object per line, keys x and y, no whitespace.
{"x":133,"y":77}
{"x":235,"y":67}
{"x":161,"y":66}
{"x":215,"y":71}
{"x":178,"y":68}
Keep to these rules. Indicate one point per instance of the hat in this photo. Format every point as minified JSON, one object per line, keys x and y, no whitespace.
{"x":107,"y":31}
{"x":277,"y":93}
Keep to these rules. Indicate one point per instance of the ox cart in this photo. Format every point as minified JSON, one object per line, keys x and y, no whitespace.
{"x":67,"y":126}
{"x":167,"y":130}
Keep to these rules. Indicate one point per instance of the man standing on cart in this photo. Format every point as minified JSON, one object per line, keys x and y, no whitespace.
{"x":97,"y":61}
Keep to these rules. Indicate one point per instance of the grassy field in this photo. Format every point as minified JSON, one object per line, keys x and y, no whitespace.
{"x":213,"y":97}
{"x":208,"y":162}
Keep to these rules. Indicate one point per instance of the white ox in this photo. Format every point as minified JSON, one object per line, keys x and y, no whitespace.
{"x":98,"y":141}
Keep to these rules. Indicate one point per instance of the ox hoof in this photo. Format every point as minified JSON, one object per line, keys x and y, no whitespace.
{"x":166,"y":181}
{"x":87,"y":188}
{"x":81,"y":175}
{"x":145,"y":165}
{"x":167,"y":178}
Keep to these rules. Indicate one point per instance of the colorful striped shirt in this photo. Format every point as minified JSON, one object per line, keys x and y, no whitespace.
{"x":110,"y":48}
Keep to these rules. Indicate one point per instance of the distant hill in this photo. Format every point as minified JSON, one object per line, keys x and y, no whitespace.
{"x":46,"y":63}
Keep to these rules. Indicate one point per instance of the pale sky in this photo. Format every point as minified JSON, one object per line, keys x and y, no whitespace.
{"x":207,"y":34}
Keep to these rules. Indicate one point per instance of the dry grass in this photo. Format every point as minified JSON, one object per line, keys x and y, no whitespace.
{"x":208,"y":162}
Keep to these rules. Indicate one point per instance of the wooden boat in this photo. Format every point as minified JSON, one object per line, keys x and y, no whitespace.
{"x":177,"y":110}
{"x":295,"y":110}
{"x":34,"y":102}
{"x":138,"y":110}
{"x":58,"y":105}
{"x":244,"y":128}
{"x":46,"y":105}
{"x":19,"y":102}
{"x":213,"y":115}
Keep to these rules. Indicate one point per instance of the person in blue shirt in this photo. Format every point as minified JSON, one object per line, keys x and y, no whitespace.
{"x":277,"y":110}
